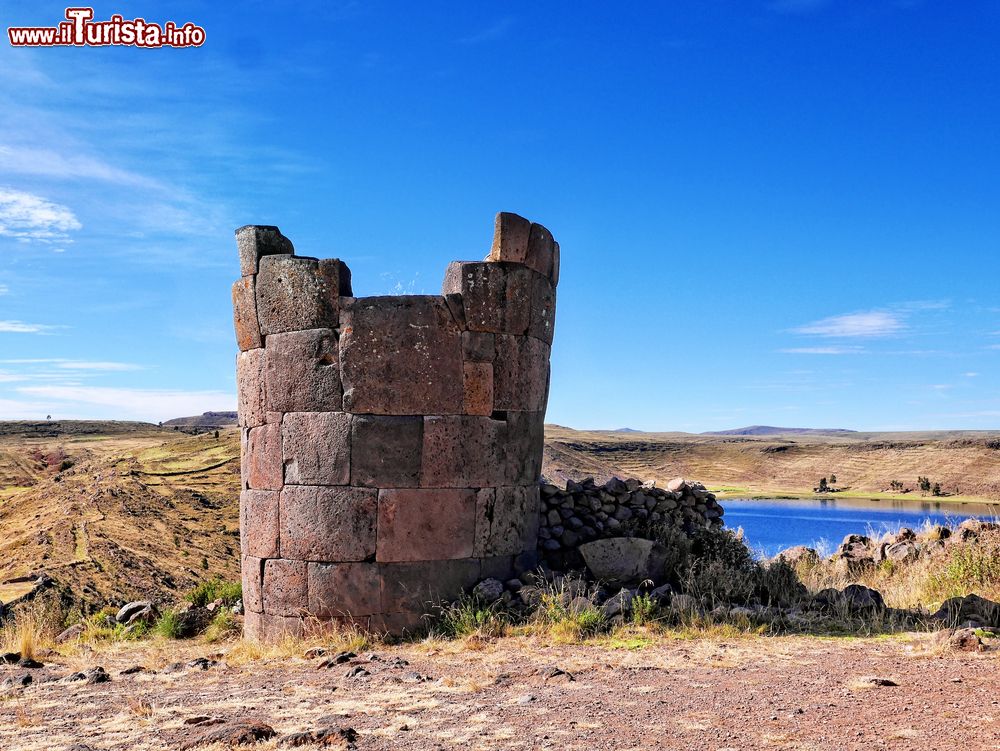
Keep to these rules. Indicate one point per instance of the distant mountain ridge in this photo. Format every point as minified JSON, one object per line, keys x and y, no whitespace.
{"x":205,"y":420}
{"x":771,"y":430}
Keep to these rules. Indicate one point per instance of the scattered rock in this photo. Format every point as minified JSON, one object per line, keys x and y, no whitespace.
{"x":969,"y":609}
{"x":357,"y":671}
{"x":488,"y":590}
{"x":338,"y":659}
{"x":858,"y":598}
{"x":29,"y":664}
{"x":141,"y":611}
{"x":618,"y":560}
{"x":133,"y":670}
{"x":800,"y":554}
{"x":965,"y":640}
{"x":872,"y":680}
{"x":202,"y":663}
{"x":73,"y":632}
{"x":312,"y":654}
{"x":557,"y":674}
{"x":241,"y":733}
{"x":324,"y":738}
{"x":15,"y":681}
{"x":618,"y":604}
{"x":10,"y":658}
{"x":202,"y":721}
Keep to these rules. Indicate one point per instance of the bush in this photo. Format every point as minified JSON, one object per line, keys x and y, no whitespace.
{"x":470,"y":617}
{"x":215,"y":589}
{"x":169,"y":626}
{"x":223,"y":625}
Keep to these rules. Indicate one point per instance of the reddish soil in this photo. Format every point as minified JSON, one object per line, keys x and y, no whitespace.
{"x":745,"y":693}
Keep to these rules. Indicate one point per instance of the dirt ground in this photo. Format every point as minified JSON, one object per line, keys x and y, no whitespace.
{"x":743,"y":693}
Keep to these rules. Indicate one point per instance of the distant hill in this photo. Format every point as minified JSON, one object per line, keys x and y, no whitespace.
{"x":771,"y":430}
{"x":206,"y":420}
{"x":627,"y":430}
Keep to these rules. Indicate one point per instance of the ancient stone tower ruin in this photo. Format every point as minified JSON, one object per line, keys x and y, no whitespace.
{"x":391,"y":446}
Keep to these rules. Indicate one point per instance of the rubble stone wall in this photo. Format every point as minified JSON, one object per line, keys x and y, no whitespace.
{"x":391,"y":446}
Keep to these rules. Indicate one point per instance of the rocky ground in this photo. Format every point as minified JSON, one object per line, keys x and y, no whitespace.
{"x":518,"y":693}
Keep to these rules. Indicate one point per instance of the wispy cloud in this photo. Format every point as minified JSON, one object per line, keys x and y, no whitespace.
{"x":496,"y":31}
{"x":4,"y":289}
{"x":822,"y":350}
{"x":25,"y":160}
{"x":28,"y":217}
{"x":971,"y":375}
{"x":870,"y":324}
{"x":20,"y":327}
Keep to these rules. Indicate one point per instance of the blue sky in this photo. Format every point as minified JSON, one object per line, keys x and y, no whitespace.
{"x":773,"y":211}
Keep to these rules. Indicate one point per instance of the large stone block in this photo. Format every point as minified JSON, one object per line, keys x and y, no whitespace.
{"x":521,"y":374}
{"x":554,"y":276}
{"x":425,"y":524}
{"x":541,"y":249}
{"x":462,"y":451}
{"x":250,"y":388}
{"x":294,"y":294}
{"x":506,"y":520}
{"x":416,"y":587}
{"x":303,"y":371}
{"x":245,"y":314}
{"x":256,"y":241}
{"x":259,"y":523}
{"x":543,"y":309}
{"x":511,"y":237}
{"x":386,"y":451}
{"x":400,"y":356}
{"x":285,"y":588}
{"x":253,"y":575}
{"x":271,"y":628}
{"x":523,"y":446}
{"x":496,"y":297}
{"x":265,"y":470}
{"x":327,"y":524}
{"x":244,"y":459}
{"x":344,"y":589}
{"x":478,"y":388}
{"x":478,"y":346}
{"x":316,"y":448}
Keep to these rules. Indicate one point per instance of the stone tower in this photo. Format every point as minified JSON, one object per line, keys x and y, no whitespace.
{"x":391,"y":446}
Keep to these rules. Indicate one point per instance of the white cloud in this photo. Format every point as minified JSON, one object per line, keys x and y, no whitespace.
{"x":28,"y":217}
{"x":971,"y":375}
{"x":20,"y":327}
{"x":874,"y":323}
{"x":66,"y":364}
{"x":140,"y":404}
{"x":821,"y":350}
{"x":4,"y":289}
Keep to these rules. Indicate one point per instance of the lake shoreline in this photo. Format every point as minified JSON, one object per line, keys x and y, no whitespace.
{"x":735,"y":494}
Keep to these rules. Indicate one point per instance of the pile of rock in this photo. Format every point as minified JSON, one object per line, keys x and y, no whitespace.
{"x":858,"y":552}
{"x":585,"y":511}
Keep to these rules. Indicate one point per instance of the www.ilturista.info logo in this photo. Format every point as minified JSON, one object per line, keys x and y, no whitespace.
{"x":80,"y":30}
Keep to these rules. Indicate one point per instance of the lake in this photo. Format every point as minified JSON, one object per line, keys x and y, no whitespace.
{"x":772,"y":525}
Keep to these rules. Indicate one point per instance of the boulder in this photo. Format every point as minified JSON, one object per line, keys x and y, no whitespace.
{"x":971,"y":609}
{"x":677,"y":485}
{"x":141,"y":611}
{"x":903,"y":551}
{"x":858,"y":598}
{"x":488,"y":590}
{"x":618,"y":604}
{"x":800,"y":554}
{"x":619,"y":560}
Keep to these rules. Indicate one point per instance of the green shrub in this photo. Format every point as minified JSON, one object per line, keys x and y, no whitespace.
{"x":644,"y":610}
{"x":169,"y":625}
{"x":215,"y":589}
{"x":223,"y":625}
{"x":470,"y":617}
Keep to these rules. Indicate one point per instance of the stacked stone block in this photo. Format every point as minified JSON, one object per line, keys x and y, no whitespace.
{"x":391,"y":446}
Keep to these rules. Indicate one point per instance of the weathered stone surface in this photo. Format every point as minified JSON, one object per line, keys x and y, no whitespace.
{"x":542,"y":320}
{"x":303,"y":372}
{"x":540,"y":251}
{"x":271,"y":628}
{"x":524,"y":441}
{"x":253,"y":575}
{"x":416,"y":524}
{"x":413,"y":587}
{"x":386,"y":451}
{"x":521,"y":374}
{"x":478,"y":346}
{"x":511,"y":234}
{"x":462,"y":451}
{"x":327,"y":524}
{"x":554,"y":275}
{"x":478,"y":388}
{"x":343,"y":589}
{"x":245,"y":314}
{"x":250,"y":386}
{"x":285,"y":587}
{"x":401,"y":356}
{"x":618,"y":560}
{"x":295,"y":294}
{"x":506,"y":520}
{"x":316,"y":448}
{"x":259,"y":523}
{"x":496,"y":297}
{"x":265,"y":471}
{"x":256,"y":241}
